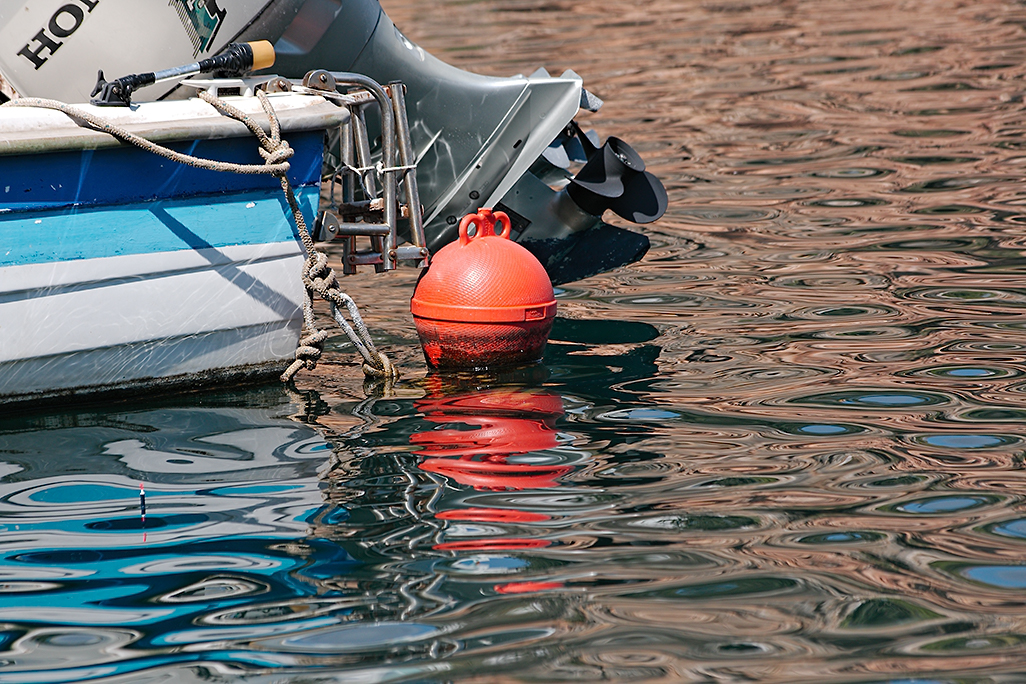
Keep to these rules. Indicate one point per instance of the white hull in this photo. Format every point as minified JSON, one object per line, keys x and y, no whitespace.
{"x":118,"y":322}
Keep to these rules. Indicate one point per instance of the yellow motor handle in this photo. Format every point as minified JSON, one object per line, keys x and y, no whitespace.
{"x":263,"y":54}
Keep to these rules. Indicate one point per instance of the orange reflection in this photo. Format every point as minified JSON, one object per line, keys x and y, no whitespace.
{"x":492,"y":515}
{"x":478,"y":432}
{"x":526,"y":587}
{"x":479,"y":438}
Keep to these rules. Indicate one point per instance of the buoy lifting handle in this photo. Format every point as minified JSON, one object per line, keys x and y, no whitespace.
{"x":507,"y":226}
{"x":485,"y":221}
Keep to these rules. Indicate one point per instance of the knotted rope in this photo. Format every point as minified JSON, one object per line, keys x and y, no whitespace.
{"x":318,"y":278}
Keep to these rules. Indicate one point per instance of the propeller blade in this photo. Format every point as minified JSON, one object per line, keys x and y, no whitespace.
{"x":644,"y":199}
{"x":556,"y":155}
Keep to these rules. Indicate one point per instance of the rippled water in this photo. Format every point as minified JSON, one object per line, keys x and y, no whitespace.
{"x":787,"y":446}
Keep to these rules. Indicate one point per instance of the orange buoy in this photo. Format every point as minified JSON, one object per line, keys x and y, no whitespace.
{"x":484,"y":301}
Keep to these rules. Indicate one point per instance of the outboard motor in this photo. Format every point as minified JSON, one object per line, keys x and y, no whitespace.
{"x":484,"y":141}
{"x":504,"y":143}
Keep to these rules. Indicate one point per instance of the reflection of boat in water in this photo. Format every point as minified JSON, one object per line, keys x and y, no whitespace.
{"x":120,"y":270}
{"x":241,"y":562}
{"x":91,"y":591}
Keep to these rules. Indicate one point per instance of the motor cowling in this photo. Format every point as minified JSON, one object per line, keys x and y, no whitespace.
{"x":485,"y":301}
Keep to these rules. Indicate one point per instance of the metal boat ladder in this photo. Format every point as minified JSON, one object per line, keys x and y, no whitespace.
{"x":364,"y":193}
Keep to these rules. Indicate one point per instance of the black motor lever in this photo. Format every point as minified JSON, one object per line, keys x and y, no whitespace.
{"x":235,"y":59}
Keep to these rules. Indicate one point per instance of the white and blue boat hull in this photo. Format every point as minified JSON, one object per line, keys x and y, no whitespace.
{"x":123,"y":270}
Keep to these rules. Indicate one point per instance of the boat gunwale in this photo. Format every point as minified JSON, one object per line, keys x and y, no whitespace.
{"x":37,"y":131}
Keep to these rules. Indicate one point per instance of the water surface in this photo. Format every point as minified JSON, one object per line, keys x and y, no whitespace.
{"x":786,"y":446}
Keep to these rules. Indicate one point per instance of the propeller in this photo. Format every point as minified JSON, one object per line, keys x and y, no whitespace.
{"x":614,"y":177}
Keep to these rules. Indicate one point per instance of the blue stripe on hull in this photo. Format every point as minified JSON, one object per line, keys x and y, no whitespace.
{"x":129,"y":174}
{"x":246,"y":218}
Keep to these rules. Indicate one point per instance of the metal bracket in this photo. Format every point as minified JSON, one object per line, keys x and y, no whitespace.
{"x":278,"y":85}
{"x":117,"y":93}
{"x":319,"y":79}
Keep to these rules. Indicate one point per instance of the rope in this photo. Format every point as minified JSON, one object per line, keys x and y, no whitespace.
{"x":377,"y":167}
{"x":388,"y":169}
{"x":357,"y":169}
{"x":318,"y":278}
{"x":104,"y":126}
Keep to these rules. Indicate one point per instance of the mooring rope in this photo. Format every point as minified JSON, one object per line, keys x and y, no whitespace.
{"x":318,"y":278}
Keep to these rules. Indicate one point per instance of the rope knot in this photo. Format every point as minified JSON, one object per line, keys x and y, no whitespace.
{"x":277,"y":153}
{"x":318,"y":276}
{"x":310,"y":348}
{"x":307,"y":354}
{"x":383,"y":368}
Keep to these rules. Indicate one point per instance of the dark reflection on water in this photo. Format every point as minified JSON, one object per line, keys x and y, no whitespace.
{"x":787,"y":446}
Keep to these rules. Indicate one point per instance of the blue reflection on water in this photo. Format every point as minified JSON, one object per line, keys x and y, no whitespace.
{"x":889,"y":399}
{"x":964,"y":441}
{"x":1015,"y":528}
{"x":943,"y":504}
{"x":1005,"y":576}
{"x":822,"y":429}
{"x":970,"y":372}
